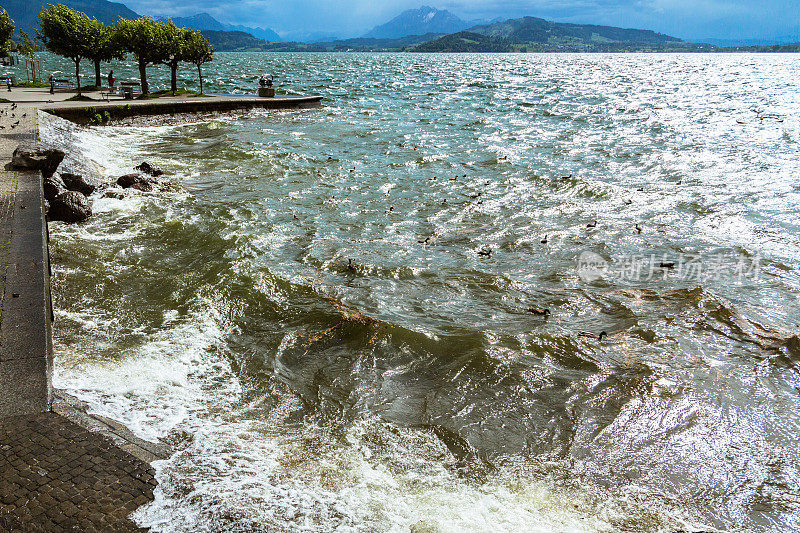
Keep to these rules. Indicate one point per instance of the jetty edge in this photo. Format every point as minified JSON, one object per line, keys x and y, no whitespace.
{"x":61,"y":466}
{"x":84,"y":112}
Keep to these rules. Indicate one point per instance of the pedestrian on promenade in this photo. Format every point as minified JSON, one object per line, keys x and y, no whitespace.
{"x":52,"y":84}
{"x":111,"y":80}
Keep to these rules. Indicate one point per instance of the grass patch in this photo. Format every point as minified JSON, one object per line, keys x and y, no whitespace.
{"x":80,"y":98}
{"x":180,"y":92}
{"x":31,"y":85}
{"x":5,"y":101}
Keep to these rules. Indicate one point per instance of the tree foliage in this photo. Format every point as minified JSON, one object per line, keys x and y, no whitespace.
{"x":27,"y":46}
{"x":176,"y":41}
{"x":74,"y":35}
{"x":103,"y":44}
{"x":64,"y":32}
{"x":6,"y":31}
{"x":147,"y":40}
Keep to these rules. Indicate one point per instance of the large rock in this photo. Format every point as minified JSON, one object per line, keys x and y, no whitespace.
{"x":53,"y":186}
{"x":77,"y":182}
{"x":144,"y":183}
{"x":129,"y":180}
{"x":30,"y":156}
{"x":70,"y":206}
{"x":152,"y":170}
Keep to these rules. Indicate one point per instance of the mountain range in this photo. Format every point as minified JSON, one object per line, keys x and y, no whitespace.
{"x":531,"y":34}
{"x":237,"y":41}
{"x":204,"y":21}
{"x":25,"y":13}
{"x":527,"y":34}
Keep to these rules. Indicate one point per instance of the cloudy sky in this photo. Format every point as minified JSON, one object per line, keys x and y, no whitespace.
{"x":688,"y":19}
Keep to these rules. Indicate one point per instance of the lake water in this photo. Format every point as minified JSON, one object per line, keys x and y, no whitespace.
{"x":338,"y":323}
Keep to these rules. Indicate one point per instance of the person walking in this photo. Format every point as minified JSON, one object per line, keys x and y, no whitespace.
{"x":111,"y":80}
{"x":52,"y":84}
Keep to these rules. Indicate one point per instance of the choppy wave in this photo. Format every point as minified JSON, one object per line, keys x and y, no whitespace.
{"x":312,"y":326}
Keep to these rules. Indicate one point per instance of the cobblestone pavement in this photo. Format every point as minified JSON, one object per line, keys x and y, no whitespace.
{"x":57,"y":476}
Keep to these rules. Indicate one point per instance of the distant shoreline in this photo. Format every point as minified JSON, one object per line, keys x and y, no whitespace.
{"x":737,"y":50}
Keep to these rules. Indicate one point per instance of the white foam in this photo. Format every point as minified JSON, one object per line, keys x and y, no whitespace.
{"x":152,"y":388}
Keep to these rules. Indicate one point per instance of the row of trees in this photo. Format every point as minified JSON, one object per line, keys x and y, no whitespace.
{"x":74,"y":35}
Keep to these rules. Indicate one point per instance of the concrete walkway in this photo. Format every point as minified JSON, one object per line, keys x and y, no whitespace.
{"x":62,"y":469}
{"x":55,"y":475}
{"x":25,"y":349}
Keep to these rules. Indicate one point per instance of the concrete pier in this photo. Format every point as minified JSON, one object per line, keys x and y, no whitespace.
{"x":82,"y":112}
{"x":26,"y":354}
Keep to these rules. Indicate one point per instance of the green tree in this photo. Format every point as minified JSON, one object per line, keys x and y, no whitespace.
{"x":198,"y":52}
{"x":64,"y":32}
{"x":6,"y":31}
{"x":146,"y":39}
{"x":27,"y":46}
{"x":176,"y":41}
{"x":104,"y":45}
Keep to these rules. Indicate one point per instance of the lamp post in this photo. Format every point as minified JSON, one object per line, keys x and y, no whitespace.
{"x":172,"y":73}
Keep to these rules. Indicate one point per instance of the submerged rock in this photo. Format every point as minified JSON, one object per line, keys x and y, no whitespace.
{"x":53,"y":186}
{"x":144,"y":183}
{"x":80,"y":183}
{"x":152,"y":170}
{"x":70,"y":206}
{"x":115,"y":194}
{"x":30,"y":156}
{"x":128,"y":180}
{"x":139,"y":182}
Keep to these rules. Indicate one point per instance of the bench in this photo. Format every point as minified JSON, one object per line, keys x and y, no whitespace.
{"x":111,"y":91}
{"x":63,"y":84}
{"x":129,"y":88}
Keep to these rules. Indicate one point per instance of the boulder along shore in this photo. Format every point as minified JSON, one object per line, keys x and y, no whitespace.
{"x":67,"y":194}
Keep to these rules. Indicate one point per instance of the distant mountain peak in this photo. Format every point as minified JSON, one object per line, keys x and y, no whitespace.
{"x":420,"y":21}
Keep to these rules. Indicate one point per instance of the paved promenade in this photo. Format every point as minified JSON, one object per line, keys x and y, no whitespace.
{"x":119,"y":108}
{"x":57,"y":476}
{"x":25,"y":349}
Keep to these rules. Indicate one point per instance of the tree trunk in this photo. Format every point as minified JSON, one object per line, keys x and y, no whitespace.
{"x":143,"y":76}
{"x":174,"y":79}
{"x":78,"y":74}
{"x":97,"y":81}
{"x":200,"y":75}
